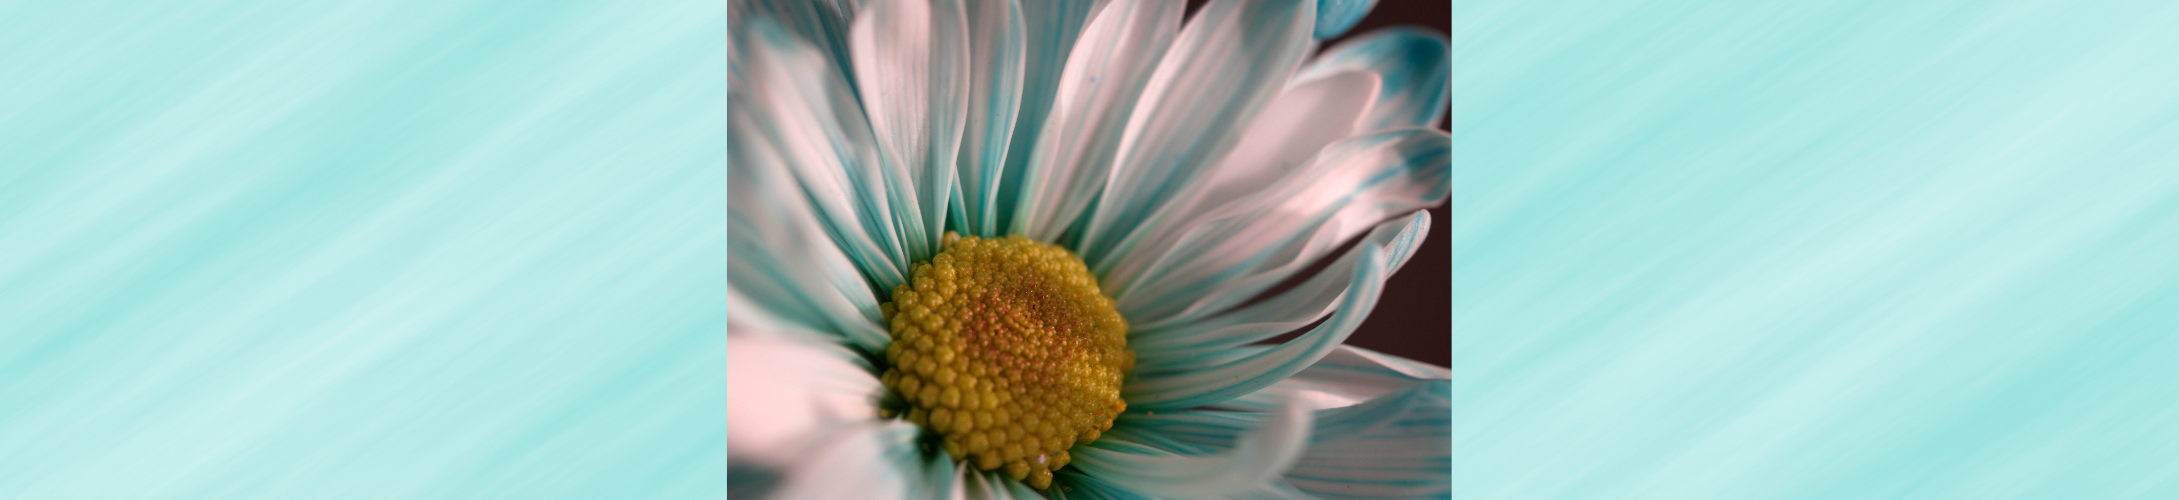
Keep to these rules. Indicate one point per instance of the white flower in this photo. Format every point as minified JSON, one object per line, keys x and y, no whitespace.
{"x":1191,"y":170}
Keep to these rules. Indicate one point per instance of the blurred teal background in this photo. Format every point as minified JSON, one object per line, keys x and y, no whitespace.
{"x":1829,"y":249}
{"x":362,"y":249}
{"x":469,"y":249}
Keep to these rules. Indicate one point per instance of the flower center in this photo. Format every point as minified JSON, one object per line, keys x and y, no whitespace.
{"x":1006,"y":348}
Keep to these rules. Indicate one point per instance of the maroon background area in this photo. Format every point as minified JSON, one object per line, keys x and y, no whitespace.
{"x":1412,"y":319}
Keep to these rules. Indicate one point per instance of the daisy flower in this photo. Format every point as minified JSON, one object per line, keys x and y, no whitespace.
{"x":1022,"y":248}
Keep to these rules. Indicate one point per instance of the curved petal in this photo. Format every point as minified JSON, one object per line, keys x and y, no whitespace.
{"x":748,"y":313}
{"x":1188,"y":383}
{"x":1335,"y":17}
{"x":1254,"y":459}
{"x":996,"y":41}
{"x":873,"y":459}
{"x":1071,"y":485}
{"x":1054,"y":26}
{"x":782,"y":264}
{"x":1282,"y":140}
{"x":1346,"y":377}
{"x":1290,"y":310}
{"x":1104,"y":77}
{"x":790,"y":104}
{"x":822,"y":23}
{"x":1415,"y":68}
{"x":1231,"y":59}
{"x":912,"y":70}
{"x":1396,"y":445}
{"x":1236,"y":253}
{"x":988,"y":485}
{"x":782,"y":393}
{"x":1291,"y":130}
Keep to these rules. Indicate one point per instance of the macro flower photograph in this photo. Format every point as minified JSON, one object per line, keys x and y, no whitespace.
{"x":1094,"y":249}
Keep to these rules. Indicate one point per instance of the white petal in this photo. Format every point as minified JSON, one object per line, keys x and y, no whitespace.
{"x":912,"y":69}
{"x":1346,"y":377}
{"x":1235,"y":253}
{"x":1282,"y":140}
{"x":996,"y":42}
{"x":783,"y":393}
{"x":1189,"y":383}
{"x":1256,"y":458}
{"x":1230,"y":60}
{"x":1103,"y":79}
{"x":874,"y":459}
{"x":822,"y":23}
{"x":982,"y":485}
{"x":1053,"y":27}
{"x":783,"y":262}
{"x":1415,"y":68}
{"x":1302,"y":121}
{"x":1395,"y":445}
{"x":788,"y":101}
{"x":1292,"y":309}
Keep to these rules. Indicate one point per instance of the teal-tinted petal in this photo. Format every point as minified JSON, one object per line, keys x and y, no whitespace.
{"x":1192,"y":382}
{"x":791,"y":109}
{"x":784,"y":263}
{"x":1280,"y":141}
{"x":997,"y":39}
{"x":1415,"y":68}
{"x":1346,"y":377}
{"x":1053,"y":26}
{"x":1235,"y":253}
{"x":872,"y":459}
{"x":1395,"y":445}
{"x":1231,"y":59}
{"x":1070,"y":484}
{"x":821,"y":23}
{"x":1102,"y":80}
{"x":912,"y":70}
{"x":990,"y":485}
{"x":1255,"y":457}
{"x":1290,"y":310}
{"x":1335,"y":17}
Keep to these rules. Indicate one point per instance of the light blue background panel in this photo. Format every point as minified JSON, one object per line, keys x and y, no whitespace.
{"x":1831,"y":249}
{"x":362,"y":249}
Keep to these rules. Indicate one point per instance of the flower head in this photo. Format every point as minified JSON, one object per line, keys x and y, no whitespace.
{"x":996,"y":248}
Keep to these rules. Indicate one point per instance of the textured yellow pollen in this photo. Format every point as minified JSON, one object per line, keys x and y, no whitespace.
{"x":1006,"y":348}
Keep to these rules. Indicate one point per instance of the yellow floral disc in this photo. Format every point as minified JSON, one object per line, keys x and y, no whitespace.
{"x":1007,"y":349}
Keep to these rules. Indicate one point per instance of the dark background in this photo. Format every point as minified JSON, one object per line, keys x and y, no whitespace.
{"x":1412,"y":317}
